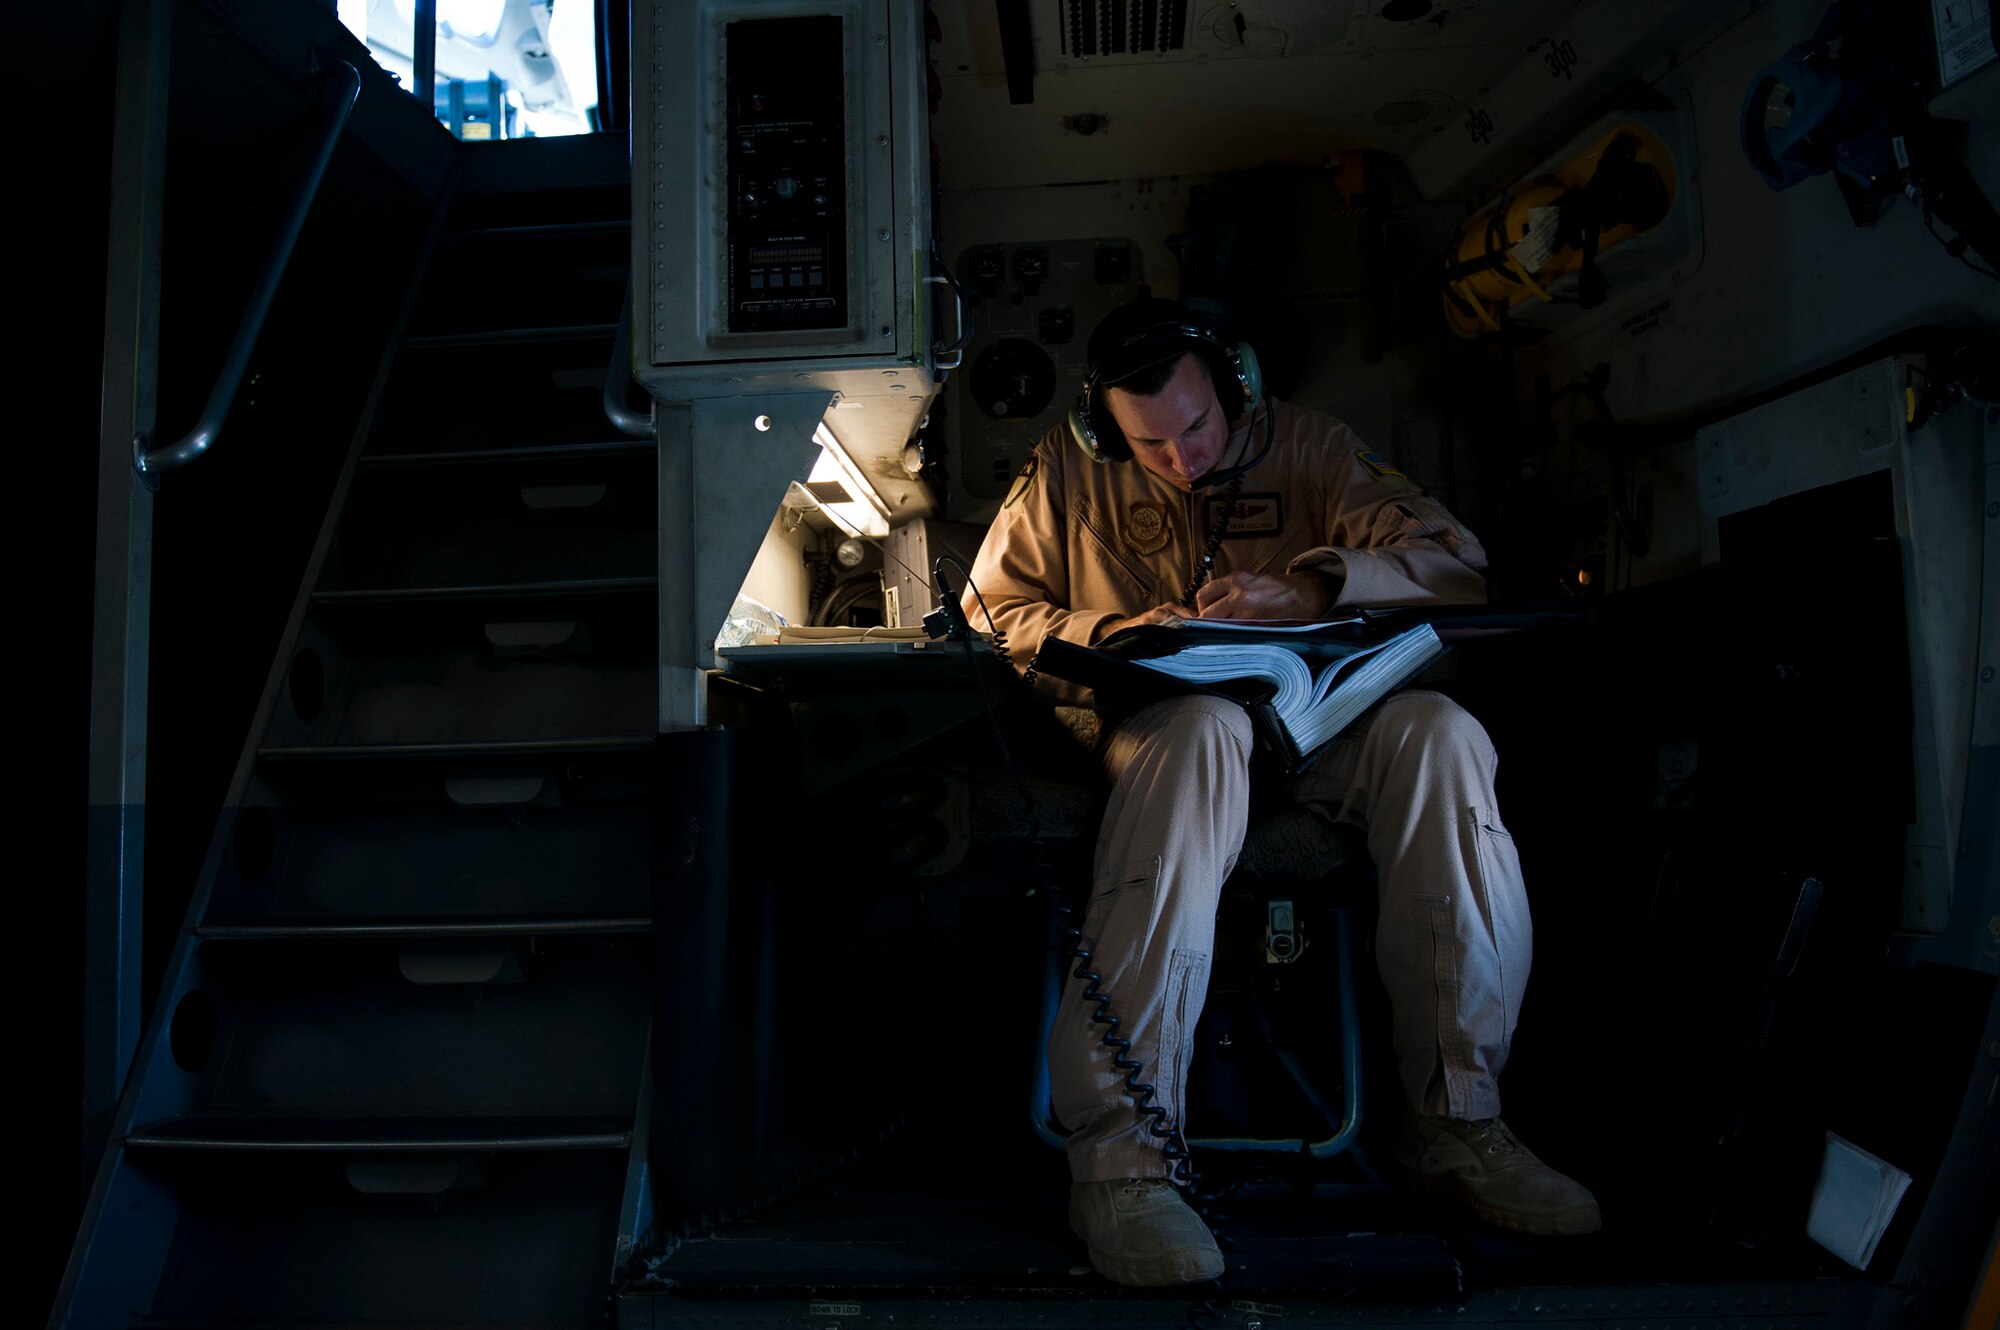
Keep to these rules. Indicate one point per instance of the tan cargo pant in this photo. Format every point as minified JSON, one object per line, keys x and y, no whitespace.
{"x":1453,"y":938}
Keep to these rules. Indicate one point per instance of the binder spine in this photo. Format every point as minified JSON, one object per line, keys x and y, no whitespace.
{"x":1273,"y":737}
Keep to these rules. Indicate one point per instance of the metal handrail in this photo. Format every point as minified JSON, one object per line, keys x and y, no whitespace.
{"x":950,"y":356}
{"x":618,"y":375}
{"x":151,"y":463}
{"x":424,"y":54}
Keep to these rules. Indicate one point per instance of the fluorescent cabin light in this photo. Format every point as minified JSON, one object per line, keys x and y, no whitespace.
{"x":842,"y":492}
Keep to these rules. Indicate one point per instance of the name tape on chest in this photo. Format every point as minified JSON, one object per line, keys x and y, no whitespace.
{"x":1249,"y":516}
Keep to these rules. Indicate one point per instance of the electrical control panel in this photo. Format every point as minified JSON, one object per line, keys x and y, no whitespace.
{"x":781,"y":200}
{"x":1032,"y":307}
{"x":786,"y":146}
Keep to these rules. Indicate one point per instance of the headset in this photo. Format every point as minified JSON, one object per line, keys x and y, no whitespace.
{"x":1848,"y":101}
{"x":1166,"y":333}
{"x":1812,"y":111}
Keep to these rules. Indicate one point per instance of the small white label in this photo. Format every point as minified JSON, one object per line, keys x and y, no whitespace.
{"x":1536,"y":248}
{"x":1964,"y":38}
{"x":1256,"y":1308}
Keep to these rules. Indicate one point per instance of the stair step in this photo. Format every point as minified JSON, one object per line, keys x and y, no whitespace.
{"x":449,"y":841}
{"x":549,"y":519}
{"x":412,"y":928}
{"x":436,"y":1030}
{"x":506,"y":456}
{"x":295,"y":1133}
{"x":452,"y":391}
{"x":432,"y":676}
{"x":582,"y":587}
{"x":612,"y":743}
{"x":455,"y":341}
{"x":311,"y":1239}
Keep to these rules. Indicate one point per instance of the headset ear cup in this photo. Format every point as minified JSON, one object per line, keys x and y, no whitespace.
{"x":1111,"y":445}
{"x":1252,"y":374}
{"x":1228,"y":389}
{"x":1086,"y":437}
{"x":1111,"y":439}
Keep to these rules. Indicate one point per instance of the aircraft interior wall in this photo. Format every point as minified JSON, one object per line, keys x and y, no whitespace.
{"x":1690,"y":339}
{"x":1349,"y":283}
{"x":1785,"y":283}
{"x":779,"y":578}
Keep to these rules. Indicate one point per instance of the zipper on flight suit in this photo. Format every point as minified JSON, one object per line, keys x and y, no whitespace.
{"x":1086,"y":518}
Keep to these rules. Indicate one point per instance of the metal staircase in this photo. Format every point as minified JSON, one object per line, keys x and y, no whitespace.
{"x":397,"y":1073}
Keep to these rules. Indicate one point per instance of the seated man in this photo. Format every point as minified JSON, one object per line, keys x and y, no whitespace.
{"x":1240,"y":507}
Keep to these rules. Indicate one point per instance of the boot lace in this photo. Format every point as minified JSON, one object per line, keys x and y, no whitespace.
{"x":1493,"y":1134}
{"x":1145,"y":1186}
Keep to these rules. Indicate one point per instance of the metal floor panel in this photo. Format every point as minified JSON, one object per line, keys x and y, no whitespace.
{"x":1764,"y":1306}
{"x":959,"y":1215}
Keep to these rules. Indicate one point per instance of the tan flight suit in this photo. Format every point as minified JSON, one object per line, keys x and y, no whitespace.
{"x":1078,"y":544}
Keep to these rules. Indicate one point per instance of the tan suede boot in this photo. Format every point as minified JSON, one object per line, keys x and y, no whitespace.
{"x":1140,"y":1232}
{"x":1482,"y":1169}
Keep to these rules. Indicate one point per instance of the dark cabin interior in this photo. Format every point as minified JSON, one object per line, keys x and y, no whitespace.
{"x":800,"y":1043}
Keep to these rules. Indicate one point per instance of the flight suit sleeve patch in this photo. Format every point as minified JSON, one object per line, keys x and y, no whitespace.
{"x":1024,"y":483}
{"x":1379,"y":465}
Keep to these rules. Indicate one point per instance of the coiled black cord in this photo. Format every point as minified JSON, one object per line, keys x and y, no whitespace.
{"x":1173,"y":1145}
{"x":1171,"y":1139}
{"x":992,"y":629}
{"x":1000,"y":647}
{"x":1205,"y":566}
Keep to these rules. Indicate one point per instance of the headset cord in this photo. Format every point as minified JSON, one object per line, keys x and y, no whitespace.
{"x":1028,"y":675}
{"x":1000,"y":650}
{"x":1204,"y":568}
{"x":1172,"y":1140}
{"x":1173,"y":1147}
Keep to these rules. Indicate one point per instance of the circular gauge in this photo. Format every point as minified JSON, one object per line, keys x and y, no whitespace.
{"x":1013,"y":379}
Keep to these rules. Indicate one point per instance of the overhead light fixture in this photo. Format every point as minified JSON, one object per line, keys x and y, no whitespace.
{"x":838,"y":488}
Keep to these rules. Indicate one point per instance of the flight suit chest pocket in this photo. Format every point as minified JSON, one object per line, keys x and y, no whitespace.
{"x":1275,"y":555}
{"x":1100,"y":549}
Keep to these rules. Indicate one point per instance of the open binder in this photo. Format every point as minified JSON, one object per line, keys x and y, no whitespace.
{"x":1301,"y":683}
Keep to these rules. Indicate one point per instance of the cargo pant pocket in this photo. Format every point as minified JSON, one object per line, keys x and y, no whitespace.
{"x":1503,"y":909}
{"x":1187,"y":987}
{"x":1453,"y":1050}
{"x":1144,"y":873}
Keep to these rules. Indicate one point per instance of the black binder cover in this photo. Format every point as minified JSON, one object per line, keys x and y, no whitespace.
{"x":1107,"y":669}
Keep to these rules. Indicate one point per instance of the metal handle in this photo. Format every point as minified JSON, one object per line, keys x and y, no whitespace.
{"x":618,"y":376}
{"x":955,"y":351}
{"x":151,"y":463}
